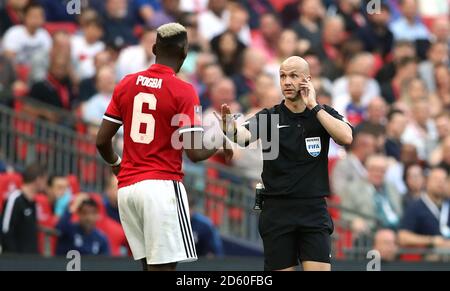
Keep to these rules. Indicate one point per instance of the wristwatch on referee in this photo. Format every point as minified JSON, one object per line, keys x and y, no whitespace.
{"x":317,"y":108}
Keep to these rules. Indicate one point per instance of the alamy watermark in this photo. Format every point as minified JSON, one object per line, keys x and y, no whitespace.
{"x":74,"y":263}
{"x":73,"y":7}
{"x":373,"y":7}
{"x":375,"y":261}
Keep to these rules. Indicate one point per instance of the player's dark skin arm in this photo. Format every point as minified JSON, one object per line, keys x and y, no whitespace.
{"x":104,"y":143}
{"x":198,"y":155}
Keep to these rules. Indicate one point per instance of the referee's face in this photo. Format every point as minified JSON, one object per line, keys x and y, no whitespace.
{"x":290,"y":78}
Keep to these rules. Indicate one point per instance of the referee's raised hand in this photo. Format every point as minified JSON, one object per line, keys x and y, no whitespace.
{"x":226,"y":120}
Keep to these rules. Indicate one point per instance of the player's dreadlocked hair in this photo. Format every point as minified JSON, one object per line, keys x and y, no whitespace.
{"x":171,"y":39}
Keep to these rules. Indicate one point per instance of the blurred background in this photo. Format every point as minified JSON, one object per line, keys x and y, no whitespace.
{"x":385,"y":68}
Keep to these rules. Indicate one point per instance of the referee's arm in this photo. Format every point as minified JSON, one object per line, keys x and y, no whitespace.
{"x":339,"y":130}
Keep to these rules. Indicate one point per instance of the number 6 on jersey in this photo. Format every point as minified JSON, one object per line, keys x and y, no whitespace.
{"x":140,"y":117}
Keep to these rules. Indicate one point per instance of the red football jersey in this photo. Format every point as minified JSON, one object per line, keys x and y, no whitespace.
{"x":148,"y":104}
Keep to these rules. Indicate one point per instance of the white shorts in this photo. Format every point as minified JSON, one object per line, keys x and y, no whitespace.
{"x":155,"y":217}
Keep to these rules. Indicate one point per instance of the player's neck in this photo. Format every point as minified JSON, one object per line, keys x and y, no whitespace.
{"x":169,"y":63}
{"x":296,"y":106}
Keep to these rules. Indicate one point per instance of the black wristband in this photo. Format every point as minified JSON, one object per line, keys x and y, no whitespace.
{"x":317,"y":108}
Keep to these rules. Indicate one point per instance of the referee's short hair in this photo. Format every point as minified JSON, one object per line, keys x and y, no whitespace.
{"x":171,"y":40}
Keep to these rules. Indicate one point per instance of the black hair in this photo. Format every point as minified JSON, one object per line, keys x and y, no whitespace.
{"x":88,"y":202}
{"x":32,"y":5}
{"x":391,"y":113}
{"x":52,"y":179}
{"x":32,"y":172}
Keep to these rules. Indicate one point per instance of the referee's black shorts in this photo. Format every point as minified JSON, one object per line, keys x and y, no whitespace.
{"x":293,"y":230}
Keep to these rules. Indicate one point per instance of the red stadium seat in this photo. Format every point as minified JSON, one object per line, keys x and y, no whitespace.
{"x":47,"y":219}
{"x":8,"y":183}
{"x":68,"y":27}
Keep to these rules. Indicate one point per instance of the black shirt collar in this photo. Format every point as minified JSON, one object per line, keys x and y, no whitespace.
{"x":285,"y":109}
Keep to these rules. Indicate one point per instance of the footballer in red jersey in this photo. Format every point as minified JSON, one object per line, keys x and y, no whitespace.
{"x":155,"y":109}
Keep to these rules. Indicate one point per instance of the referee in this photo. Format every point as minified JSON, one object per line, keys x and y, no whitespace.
{"x":294,"y":223}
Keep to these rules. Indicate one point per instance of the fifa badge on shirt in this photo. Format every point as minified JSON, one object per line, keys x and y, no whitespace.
{"x":313,"y":146}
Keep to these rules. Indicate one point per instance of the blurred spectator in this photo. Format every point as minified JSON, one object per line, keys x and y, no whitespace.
{"x":396,"y":125}
{"x":95,"y":107}
{"x":7,"y":81}
{"x":220,"y":16}
{"x":414,"y":90}
{"x":202,"y":61}
{"x":82,"y":236}
{"x":267,"y":38}
{"x":437,"y":54}
{"x":87,"y":87}
{"x":169,"y":12}
{"x":441,"y":30}
{"x":12,"y":14}
{"x":21,"y":42}
{"x":372,"y":197}
{"x":351,"y":106}
{"x":406,"y":69}
{"x":351,"y":168}
{"x":40,"y":61}
{"x":119,"y":23}
{"x":264,"y":83}
{"x":252,"y":66}
{"x":19,"y":221}
{"x":290,"y":12}
{"x":222,"y":92}
{"x":229,"y":50}
{"x":56,"y":90}
{"x":110,"y":200}
{"x":333,"y":36}
{"x":238,"y":23}
{"x":401,"y":50}
{"x":445,"y":162}
{"x":442,"y":77}
{"x":286,"y":46}
{"x":376,"y":35}
{"x":207,"y":239}
{"x":426,"y":221}
{"x":415,"y":184}
{"x":212,"y":73}
{"x":137,"y":58}
{"x":320,"y":82}
{"x":409,"y":26}
{"x":443,"y":129}
{"x":255,"y":9}
{"x":58,"y":194}
{"x":421,"y":130}
{"x":309,"y":27}
{"x":375,"y":121}
{"x":194,"y":6}
{"x":350,"y":10}
{"x":85,"y":46}
{"x":385,"y":242}
{"x":145,"y":9}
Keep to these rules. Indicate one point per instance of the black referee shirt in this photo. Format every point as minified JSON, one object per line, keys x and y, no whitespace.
{"x":301,"y":167}
{"x":19,"y":225}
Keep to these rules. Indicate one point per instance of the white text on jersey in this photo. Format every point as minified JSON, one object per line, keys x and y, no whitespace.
{"x":149,"y":82}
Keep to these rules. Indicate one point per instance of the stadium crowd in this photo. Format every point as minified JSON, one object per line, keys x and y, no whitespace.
{"x":387,"y":71}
